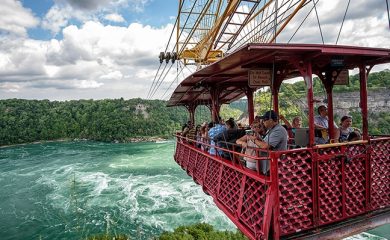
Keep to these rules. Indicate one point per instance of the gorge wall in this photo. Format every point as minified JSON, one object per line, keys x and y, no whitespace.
{"x":344,"y":103}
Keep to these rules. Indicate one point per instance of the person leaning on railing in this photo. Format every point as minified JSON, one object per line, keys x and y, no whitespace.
{"x":190,"y":132}
{"x":247,"y":142}
{"x":275,"y":139}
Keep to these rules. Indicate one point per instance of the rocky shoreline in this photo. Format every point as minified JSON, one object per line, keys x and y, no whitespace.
{"x":128,"y":140}
{"x":141,"y":139}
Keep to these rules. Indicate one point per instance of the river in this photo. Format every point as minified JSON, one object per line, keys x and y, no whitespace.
{"x":71,"y":190}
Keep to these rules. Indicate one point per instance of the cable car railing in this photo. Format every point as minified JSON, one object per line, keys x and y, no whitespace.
{"x":306,"y":188}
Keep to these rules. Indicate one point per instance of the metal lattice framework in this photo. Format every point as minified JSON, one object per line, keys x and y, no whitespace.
{"x":308,"y":187}
{"x":296,"y":191}
{"x":208,"y":29}
{"x":239,"y":195}
{"x":380,"y":173}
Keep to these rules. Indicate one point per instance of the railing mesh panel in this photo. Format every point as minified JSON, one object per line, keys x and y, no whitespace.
{"x":211,"y":181}
{"x":295,"y":189}
{"x":302,"y":175}
{"x":179,"y":153}
{"x":200,"y":168}
{"x":229,"y":192}
{"x":185,"y":155}
{"x":330,"y":186}
{"x":380,"y":173}
{"x":355,"y":179}
{"x":191,"y":162}
{"x":252,"y":211}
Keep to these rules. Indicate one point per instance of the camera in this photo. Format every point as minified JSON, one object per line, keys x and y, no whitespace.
{"x":249,"y":132}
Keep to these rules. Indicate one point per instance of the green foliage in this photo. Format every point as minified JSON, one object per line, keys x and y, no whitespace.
{"x":108,"y":237}
{"x":202,"y":114}
{"x":24,"y":121}
{"x":200,"y":231}
{"x":227,"y":112}
{"x":287,"y":106}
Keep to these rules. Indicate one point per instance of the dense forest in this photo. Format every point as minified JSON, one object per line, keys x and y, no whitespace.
{"x":122,"y":120}
{"x":103,"y":120}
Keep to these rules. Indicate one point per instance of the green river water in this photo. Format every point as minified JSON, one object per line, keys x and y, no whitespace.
{"x":71,"y":190}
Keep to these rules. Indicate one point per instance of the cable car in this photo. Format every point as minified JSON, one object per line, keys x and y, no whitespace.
{"x":327,"y":191}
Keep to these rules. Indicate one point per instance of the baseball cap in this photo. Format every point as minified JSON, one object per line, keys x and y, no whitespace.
{"x":270,"y":115}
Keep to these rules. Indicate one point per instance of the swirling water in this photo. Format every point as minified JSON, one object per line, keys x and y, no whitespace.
{"x":70,"y":190}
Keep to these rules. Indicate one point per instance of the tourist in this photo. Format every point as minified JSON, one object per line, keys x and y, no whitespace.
{"x":321,"y":125}
{"x":346,"y":129}
{"x":214,"y":131}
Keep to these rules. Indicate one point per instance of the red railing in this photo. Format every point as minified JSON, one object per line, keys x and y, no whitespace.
{"x":307,"y":188}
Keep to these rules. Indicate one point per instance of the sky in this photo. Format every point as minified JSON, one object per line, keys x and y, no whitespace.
{"x":99,"y":49}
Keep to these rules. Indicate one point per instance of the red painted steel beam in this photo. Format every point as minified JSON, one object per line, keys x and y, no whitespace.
{"x":343,"y":230}
{"x":307,"y":75}
{"x":251,"y":109}
{"x":363,"y":73}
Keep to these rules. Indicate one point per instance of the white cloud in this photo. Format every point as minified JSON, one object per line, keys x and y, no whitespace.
{"x":14,"y":19}
{"x":93,"y":60}
{"x":87,"y":4}
{"x":88,"y":84}
{"x":114,"y":75}
{"x":64,"y":11}
{"x":56,"y":18}
{"x":114,"y":17}
{"x":11,"y":88}
{"x":365,"y":24}
{"x":138,"y":5}
{"x":100,"y":61}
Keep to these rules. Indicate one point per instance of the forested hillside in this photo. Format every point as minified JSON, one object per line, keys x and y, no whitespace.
{"x":104,"y":120}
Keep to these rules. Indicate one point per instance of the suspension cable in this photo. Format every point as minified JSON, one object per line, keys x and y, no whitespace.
{"x":162,"y":96}
{"x":342,"y":23}
{"x":152,"y":88}
{"x":161,"y":81}
{"x":300,"y":25}
{"x":166,"y":48}
{"x":154,"y":79}
{"x":388,"y":13}
{"x":318,"y":20}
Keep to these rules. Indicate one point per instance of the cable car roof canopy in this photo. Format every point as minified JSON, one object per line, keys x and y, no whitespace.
{"x":230,"y":74}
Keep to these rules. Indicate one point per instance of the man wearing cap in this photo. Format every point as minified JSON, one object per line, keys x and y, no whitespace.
{"x":275,"y":138}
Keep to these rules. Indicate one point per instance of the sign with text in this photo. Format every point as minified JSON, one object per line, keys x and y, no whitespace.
{"x":259,"y":77}
{"x":342,"y":78}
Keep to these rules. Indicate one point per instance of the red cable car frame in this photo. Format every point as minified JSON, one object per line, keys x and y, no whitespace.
{"x":330,"y":190}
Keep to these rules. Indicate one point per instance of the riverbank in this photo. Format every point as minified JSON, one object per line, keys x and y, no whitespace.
{"x":128,"y":140}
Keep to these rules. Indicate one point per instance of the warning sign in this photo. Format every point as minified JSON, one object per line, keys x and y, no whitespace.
{"x":259,"y":77}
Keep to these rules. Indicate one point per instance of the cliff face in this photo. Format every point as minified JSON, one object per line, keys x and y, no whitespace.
{"x":344,"y":103}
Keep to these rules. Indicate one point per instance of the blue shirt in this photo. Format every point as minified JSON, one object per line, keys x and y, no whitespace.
{"x":214,"y":131}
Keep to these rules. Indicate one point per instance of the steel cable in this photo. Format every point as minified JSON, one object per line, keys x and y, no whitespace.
{"x":345,"y":14}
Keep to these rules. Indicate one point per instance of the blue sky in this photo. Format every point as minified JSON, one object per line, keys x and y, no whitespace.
{"x":155,"y":13}
{"x":97,"y":49}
